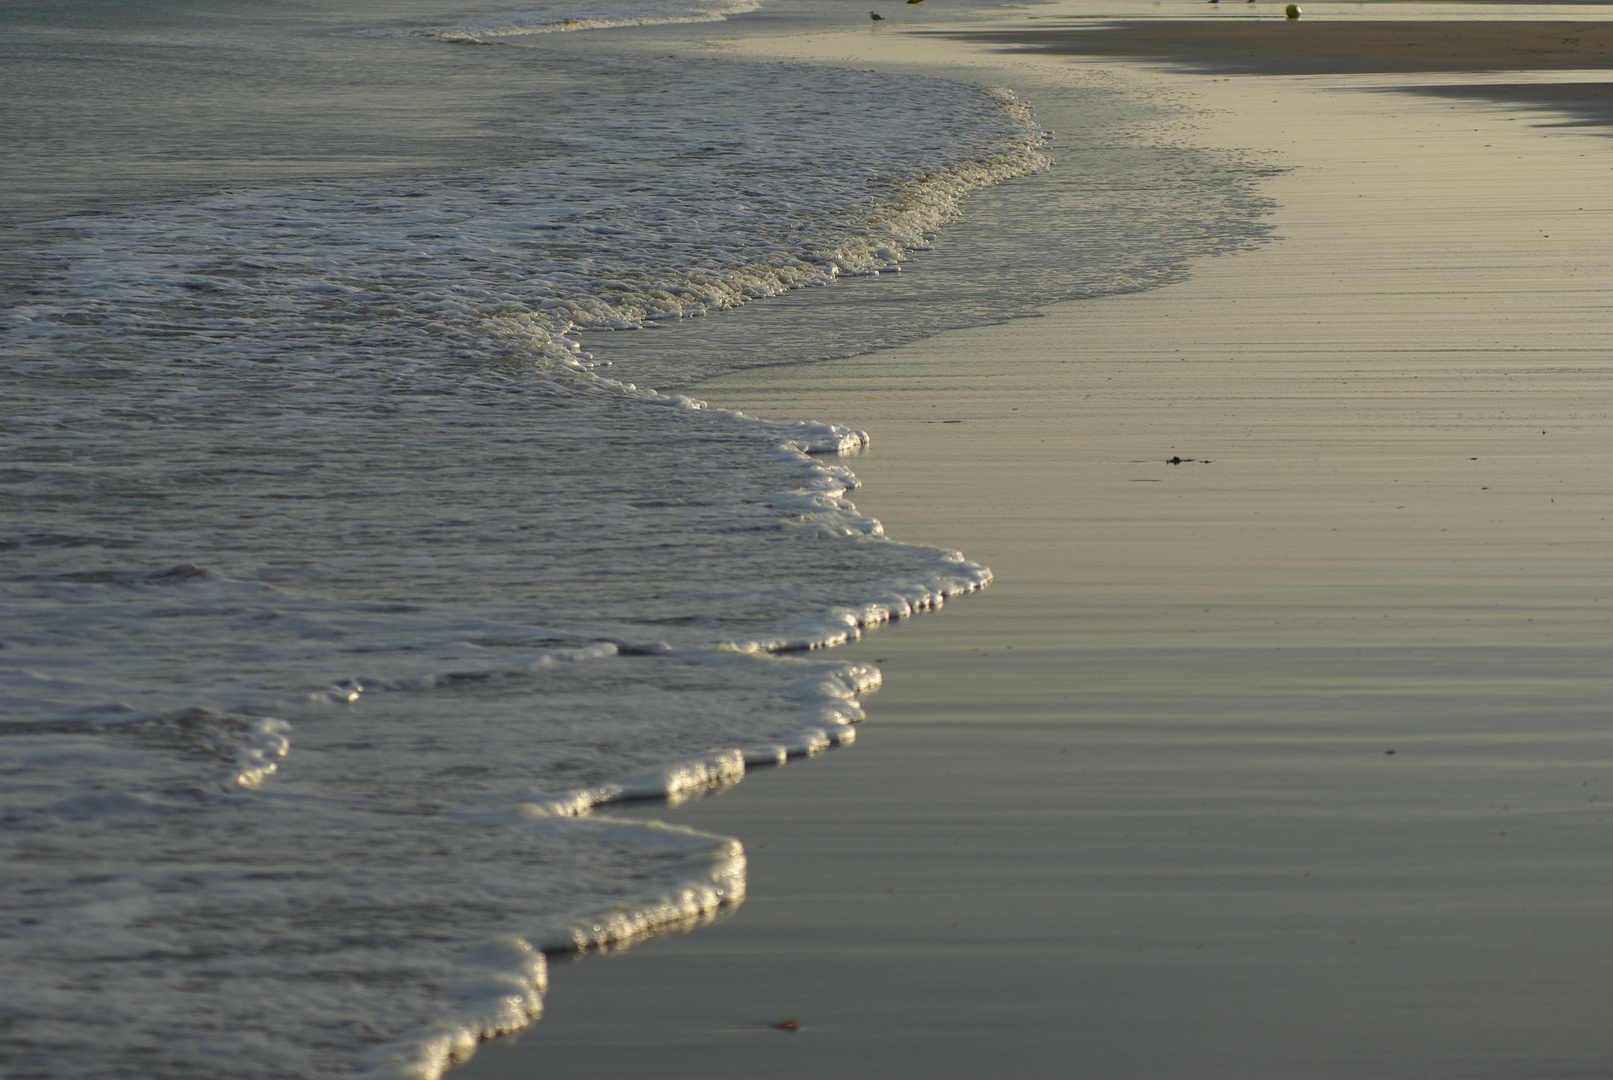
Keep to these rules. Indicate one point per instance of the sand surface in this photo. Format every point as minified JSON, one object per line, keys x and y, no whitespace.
{"x":1286,"y":760}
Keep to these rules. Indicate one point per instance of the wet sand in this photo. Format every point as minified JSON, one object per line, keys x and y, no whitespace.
{"x":1272,"y":46}
{"x":1287,"y":758}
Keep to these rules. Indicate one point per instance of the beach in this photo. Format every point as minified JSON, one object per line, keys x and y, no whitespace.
{"x":1278,"y":746}
{"x":1149,"y":618}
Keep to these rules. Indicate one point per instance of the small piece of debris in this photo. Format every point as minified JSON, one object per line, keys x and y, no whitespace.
{"x":789,"y":1023}
{"x":1388,"y":751}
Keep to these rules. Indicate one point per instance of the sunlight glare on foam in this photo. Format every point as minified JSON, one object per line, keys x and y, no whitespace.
{"x":566,"y":18}
{"x":717,"y":880}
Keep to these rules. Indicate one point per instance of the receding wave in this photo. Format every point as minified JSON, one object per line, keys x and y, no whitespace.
{"x":342,"y":583}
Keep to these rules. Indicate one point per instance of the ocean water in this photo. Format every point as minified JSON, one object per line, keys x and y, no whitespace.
{"x":348,"y":559}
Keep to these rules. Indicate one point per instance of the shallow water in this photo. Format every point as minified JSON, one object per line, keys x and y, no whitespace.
{"x":347,"y":562}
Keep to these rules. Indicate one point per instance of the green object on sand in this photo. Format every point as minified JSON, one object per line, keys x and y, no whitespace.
{"x":1291,"y":11}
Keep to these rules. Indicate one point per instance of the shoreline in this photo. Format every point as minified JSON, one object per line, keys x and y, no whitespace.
{"x":1200,"y":785}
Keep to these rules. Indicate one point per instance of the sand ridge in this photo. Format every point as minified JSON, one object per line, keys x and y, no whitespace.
{"x":1320,"y":47}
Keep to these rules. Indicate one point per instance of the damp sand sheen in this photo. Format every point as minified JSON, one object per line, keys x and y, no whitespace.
{"x":1279,"y":745}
